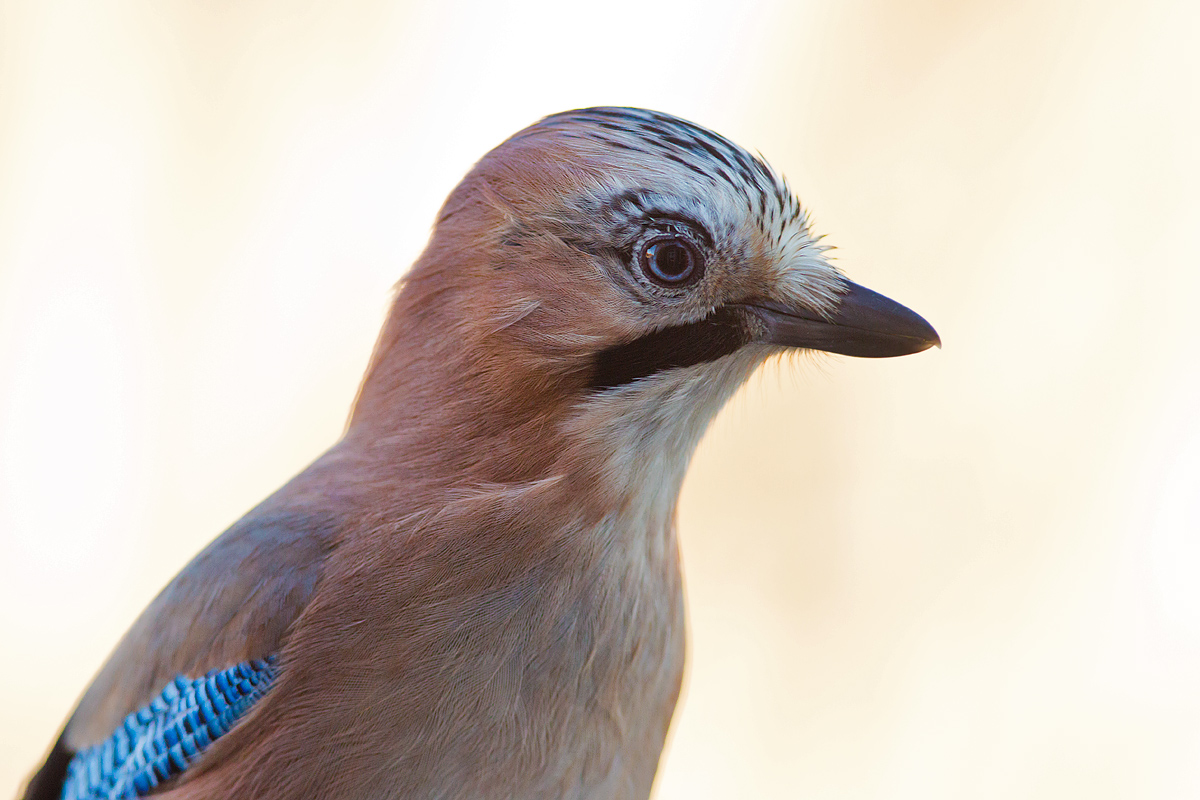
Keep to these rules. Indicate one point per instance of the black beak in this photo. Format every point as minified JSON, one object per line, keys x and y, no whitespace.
{"x":864,"y":323}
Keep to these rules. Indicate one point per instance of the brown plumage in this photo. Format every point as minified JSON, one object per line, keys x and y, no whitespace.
{"x":476,"y":592}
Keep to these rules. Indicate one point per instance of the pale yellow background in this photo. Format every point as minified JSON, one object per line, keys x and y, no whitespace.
{"x":971,"y":573}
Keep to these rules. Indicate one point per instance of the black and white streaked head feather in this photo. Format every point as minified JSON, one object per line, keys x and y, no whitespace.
{"x":663,"y":172}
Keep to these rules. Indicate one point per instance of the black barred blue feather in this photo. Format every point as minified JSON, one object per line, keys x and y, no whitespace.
{"x":160,"y":740}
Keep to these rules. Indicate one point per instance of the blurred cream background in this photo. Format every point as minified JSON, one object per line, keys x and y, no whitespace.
{"x":966,"y":574}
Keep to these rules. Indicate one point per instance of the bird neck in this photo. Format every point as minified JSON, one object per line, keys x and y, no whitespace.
{"x":449,"y":408}
{"x":449,"y":400}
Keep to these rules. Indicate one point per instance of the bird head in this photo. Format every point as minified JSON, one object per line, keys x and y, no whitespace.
{"x":607,"y":278}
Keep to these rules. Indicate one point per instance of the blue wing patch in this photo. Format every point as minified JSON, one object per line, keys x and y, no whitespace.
{"x":160,"y":740}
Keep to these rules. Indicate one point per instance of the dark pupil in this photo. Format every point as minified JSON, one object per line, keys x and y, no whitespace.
{"x":669,"y":261}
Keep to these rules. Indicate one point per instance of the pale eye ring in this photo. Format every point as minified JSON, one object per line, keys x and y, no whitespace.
{"x":671,"y":260}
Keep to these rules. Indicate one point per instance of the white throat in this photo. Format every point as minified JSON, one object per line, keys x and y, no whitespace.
{"x":645,"y":432}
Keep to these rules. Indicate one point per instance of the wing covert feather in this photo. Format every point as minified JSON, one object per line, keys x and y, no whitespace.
{"x":234,"y":602}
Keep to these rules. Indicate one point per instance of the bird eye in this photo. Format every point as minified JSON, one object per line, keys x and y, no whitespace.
{"x":670,"y":261}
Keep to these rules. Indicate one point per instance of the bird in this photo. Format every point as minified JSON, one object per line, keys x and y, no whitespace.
{"x":476,"y":592}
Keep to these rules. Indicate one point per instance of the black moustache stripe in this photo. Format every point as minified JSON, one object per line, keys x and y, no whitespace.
{"x":717,"y":335}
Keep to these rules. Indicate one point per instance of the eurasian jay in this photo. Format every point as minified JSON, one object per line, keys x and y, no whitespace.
{"x":476,"y":592}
